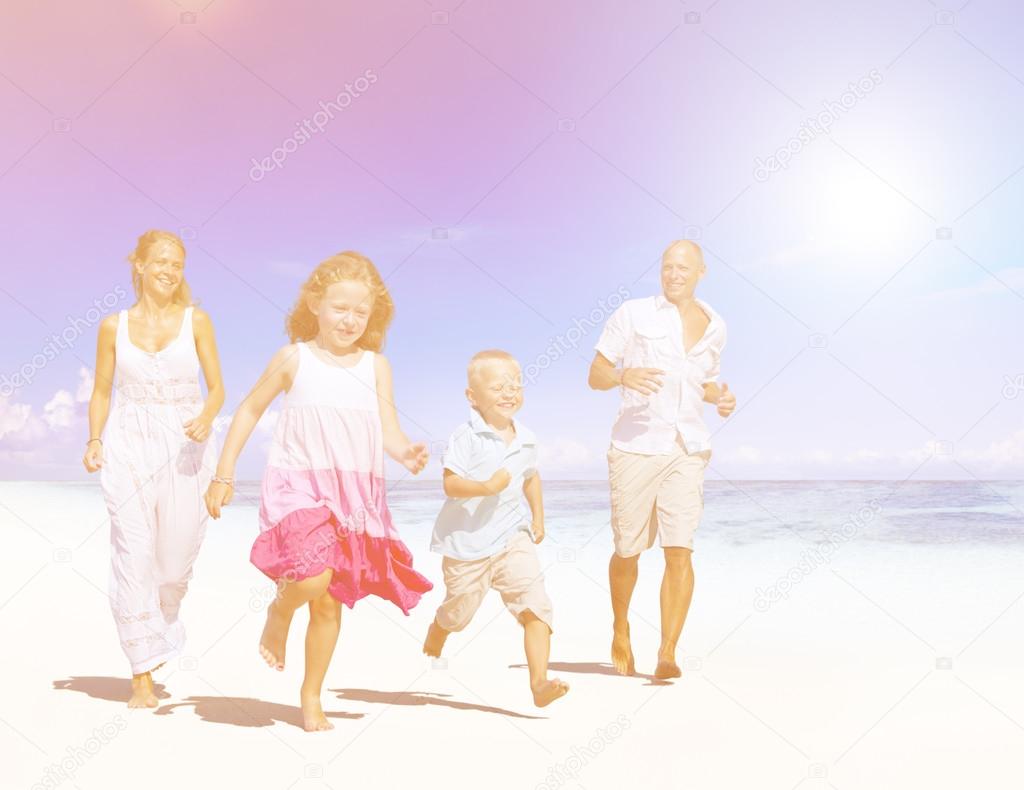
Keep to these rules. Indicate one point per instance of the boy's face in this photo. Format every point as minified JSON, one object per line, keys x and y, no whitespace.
{"x":497,"y":389}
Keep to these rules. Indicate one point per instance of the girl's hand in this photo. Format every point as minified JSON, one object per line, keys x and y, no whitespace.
{"x":217,"y":496}
{"x":537,"y":528}
{"x":726,"y":401}
{"x":93,"y":458}
{"x":198,"y":430}
{"x":415,"y":457}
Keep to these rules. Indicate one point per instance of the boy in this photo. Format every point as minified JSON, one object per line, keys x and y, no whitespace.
{"x":483,"y":531}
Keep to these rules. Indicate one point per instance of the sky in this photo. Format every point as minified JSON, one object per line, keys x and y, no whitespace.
{"x":852,"y":171}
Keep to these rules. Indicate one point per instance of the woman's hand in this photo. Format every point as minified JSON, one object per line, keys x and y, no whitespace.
{"x":198,"y":430}
{"x":93,"y":458}
{"x":415,"y":457}
{"x":217,"y":496}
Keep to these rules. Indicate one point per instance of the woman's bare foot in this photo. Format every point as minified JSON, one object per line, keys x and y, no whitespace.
{"x":434,"y":643}
{"x":142,"y":692}
{"x":275,"y":637}
{"x":313,"y":718}
{"x":548,"y":691}
{"x":622,"y":652}
{"x":667,"y":668}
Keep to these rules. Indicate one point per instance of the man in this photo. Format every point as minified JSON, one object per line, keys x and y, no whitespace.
{"x":669,"y":347}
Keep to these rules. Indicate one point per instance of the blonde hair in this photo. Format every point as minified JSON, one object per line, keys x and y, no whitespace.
{"x":302,"y":324}
{"x":142,"y":249}
{"x":481,"y":358}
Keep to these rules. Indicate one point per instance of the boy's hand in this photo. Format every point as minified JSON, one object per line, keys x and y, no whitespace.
{"x":726,"y":401}
{"x":537,"y":528}
{"x":415,"y":457}
{"x":499,"y":481}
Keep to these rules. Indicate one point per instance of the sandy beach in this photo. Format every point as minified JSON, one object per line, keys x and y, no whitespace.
{"x":894,"y":664}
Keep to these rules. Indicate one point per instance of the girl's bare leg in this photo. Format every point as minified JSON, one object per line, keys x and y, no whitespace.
{"x":142,"y":692}
{"x":321,"y":637}
{"x":290,"y":596}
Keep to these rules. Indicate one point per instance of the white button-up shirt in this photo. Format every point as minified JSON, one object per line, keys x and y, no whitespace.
{"x":473,"y":527}
{"x":648,"y":333}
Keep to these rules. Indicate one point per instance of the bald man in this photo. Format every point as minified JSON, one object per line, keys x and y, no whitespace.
{"x":663,"y":353}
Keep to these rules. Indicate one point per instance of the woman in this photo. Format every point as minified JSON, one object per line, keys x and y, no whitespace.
{"x":155,"y":458}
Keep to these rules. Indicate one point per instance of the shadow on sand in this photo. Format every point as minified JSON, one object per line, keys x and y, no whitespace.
{"x":594,"y":668}
{"x":421,"y":698}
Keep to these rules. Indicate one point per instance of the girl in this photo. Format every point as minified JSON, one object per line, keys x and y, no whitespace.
{"x":155,"y":458}
{"x":326,"y":535}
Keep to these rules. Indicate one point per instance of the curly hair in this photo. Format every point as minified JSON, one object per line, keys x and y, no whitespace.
{"x":302,"y":324}
{"x":141,"y":252}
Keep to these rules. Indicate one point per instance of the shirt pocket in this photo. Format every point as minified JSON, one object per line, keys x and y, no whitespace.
{"x":653,"y":347}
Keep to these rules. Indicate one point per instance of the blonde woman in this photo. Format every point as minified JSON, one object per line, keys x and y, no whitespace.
{"x":326,"y":535}
{"x":153,"y":451}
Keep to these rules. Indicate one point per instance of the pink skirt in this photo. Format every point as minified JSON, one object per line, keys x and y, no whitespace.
{"x":307,"y":542}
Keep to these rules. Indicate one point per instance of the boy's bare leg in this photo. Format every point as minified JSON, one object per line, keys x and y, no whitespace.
{"x":622,"y":573}
{"x":321,"y":637}
{"x":676,"y":594}
{"x":537,"y":641}
{"x":290,"y":596}
{"x":434,"y":642}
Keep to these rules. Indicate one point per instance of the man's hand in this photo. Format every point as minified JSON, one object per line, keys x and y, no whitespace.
{"x":537,"y":528}
{"x":726,"y":401}
{"x":643,"y":380}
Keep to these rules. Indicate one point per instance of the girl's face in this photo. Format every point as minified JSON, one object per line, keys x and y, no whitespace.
{"x":163,"y":269}
{"x":343,"y":311}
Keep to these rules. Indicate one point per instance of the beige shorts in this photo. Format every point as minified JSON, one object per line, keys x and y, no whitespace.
{"x":652,"y":495}
{"x":514,"y":572}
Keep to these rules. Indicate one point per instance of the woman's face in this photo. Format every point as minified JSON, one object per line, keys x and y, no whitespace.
{"x":343,"y":311}
{"x":163,"y":269}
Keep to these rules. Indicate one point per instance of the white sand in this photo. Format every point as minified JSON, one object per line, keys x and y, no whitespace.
{"x":837,"y":681}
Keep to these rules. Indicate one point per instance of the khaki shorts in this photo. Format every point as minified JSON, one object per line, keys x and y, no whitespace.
{"x":514,"y":572}
{"x":652,"y":495}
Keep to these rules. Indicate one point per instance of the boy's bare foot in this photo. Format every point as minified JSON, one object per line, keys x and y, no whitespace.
{"x":548,"y":691}
{"x":667,"y":668}
{"x":142,"y":692}
{"x":434,"y":643}
{"x":622,"y":652}
{"x":313,"y":718}
{"x":274,"y":637}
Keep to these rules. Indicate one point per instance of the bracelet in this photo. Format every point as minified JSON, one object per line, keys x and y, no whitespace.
{"x":95,"y":440}
{"x":228,"y":481}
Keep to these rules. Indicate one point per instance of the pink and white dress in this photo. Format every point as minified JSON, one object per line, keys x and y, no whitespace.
{"x":322,"y":502}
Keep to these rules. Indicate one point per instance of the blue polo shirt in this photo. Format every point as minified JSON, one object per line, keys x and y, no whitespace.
{"x":470,"y":528}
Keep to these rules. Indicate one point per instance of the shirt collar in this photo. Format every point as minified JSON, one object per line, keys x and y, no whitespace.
{"x":523,"y":434}
{"x":660,"y":302}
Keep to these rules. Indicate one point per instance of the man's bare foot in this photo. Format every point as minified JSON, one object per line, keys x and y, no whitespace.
{"x":142,"y":692}
{"x":667,"y":668}
{"x":313,"y":718}
{"x":434,"y":642}
{"x":622,"y":652}
{"x":548,"y":691}
{"x":274,"y":637}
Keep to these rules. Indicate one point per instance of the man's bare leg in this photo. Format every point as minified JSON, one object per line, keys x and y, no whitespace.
{"x":676,"y":594}
{"x":622,"y":573}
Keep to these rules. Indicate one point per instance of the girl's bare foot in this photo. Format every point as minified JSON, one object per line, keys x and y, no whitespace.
{"x":313,"y":718}
{"x":142,"y":692}
{"x":622,"y":652}
{"x":548,"y":691}
{"x":275,"y":637}
{"x":435,"y":640}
